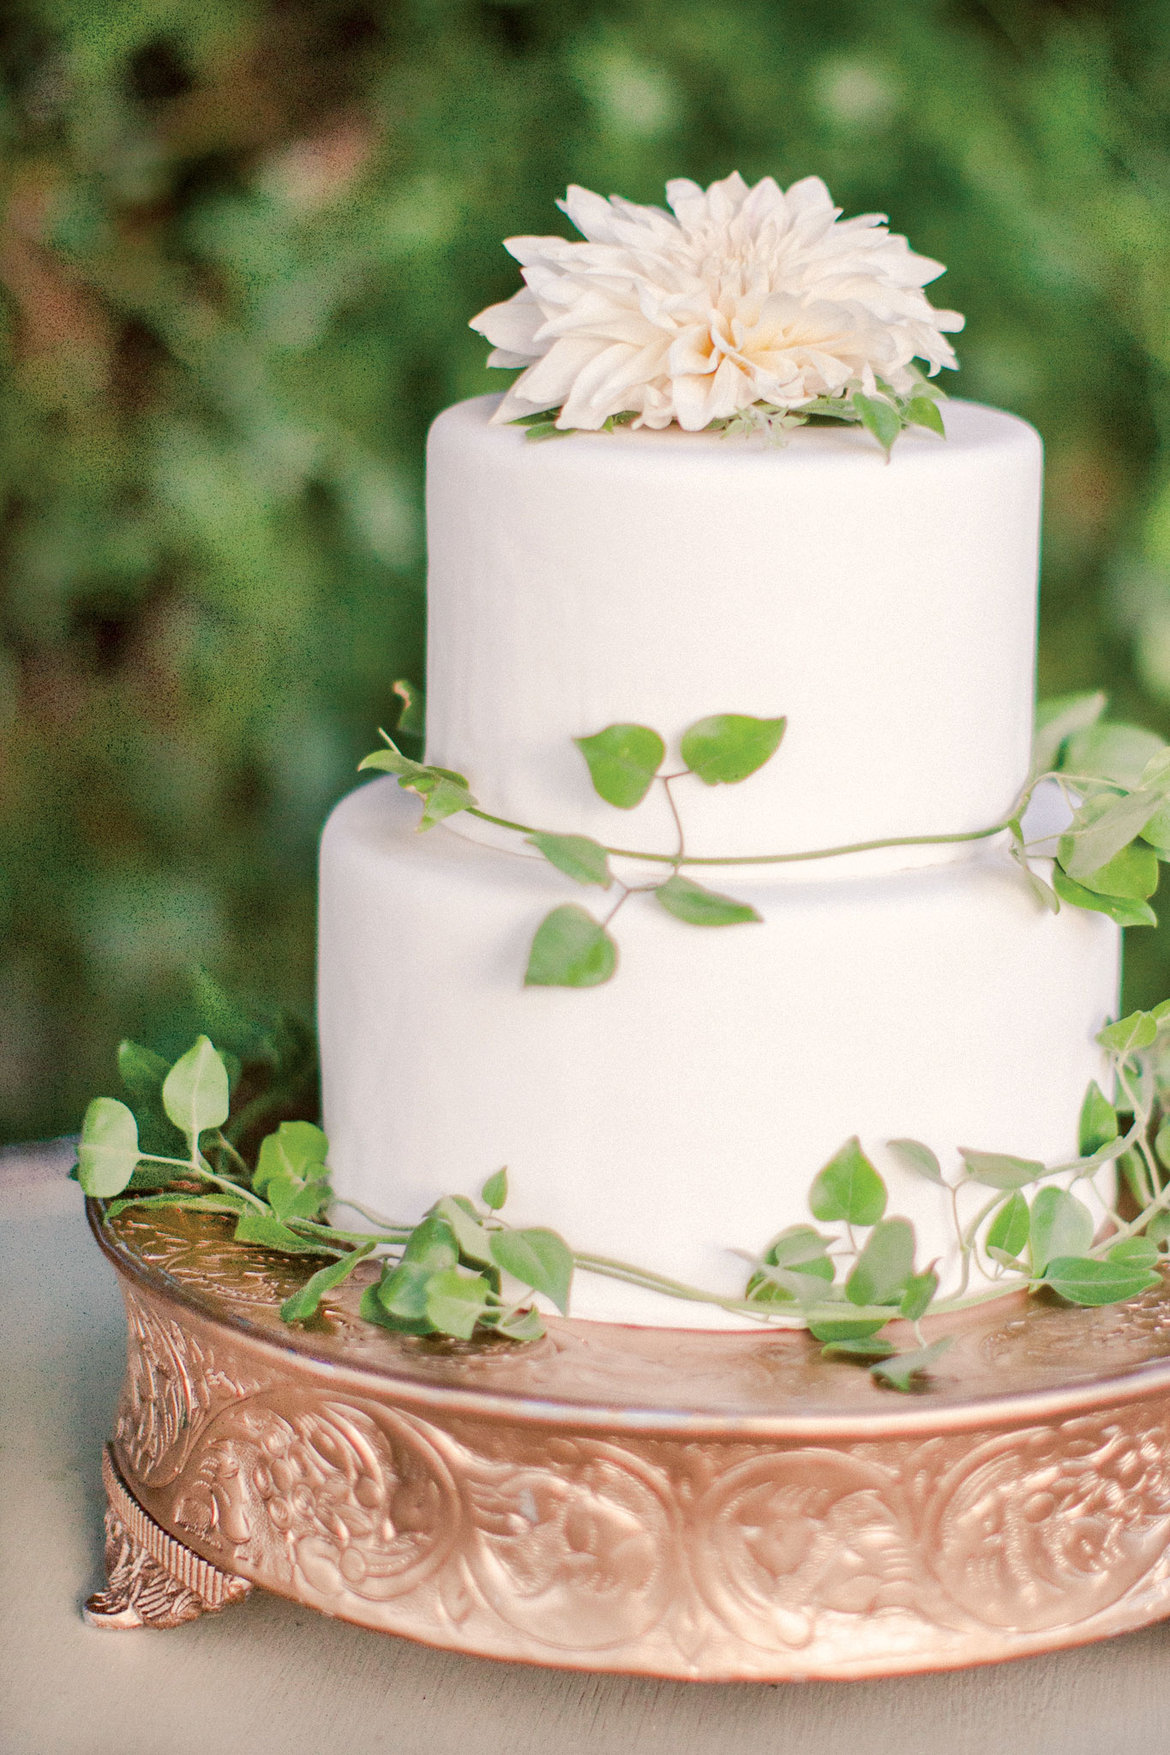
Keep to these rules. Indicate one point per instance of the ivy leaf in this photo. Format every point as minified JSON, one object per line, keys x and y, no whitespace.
{"x":689,"y":901}
{"x":918,"y":1295}
{"x":905,"y":1369}
{"x":1061,"y":1226}
{"x":295,"y":1153}
{"x":1058,"y":719}
{"x":432,"y":1244}
{"x":107,"y":1152}
{"x":254,"y":1226}
{"x":924,"y":411}
{"x":538,"y":1258}
{"x":1112,"y":752}
{"x":1129,"y":1034}
{"x":1008,"y":1233}
{"x":878,"y":418}
{"x":1132,"y":873}
{"x":1085,"y":1280}
{"x":845,"y":1328}
{"x":1101,"y":831}
{"x":848,"y":1188}
{"x":579,"y":857}
{"x":1001,"y":1169}
{"x":863,"y":1350}
{"x":474,"y":1242}
{"x":623,"y":760}
{"x":727,"y":747}
{"x":1043,"y":892}
{"x":881,"y":1271}
{"x":195,"y":1092}
{"x":1158,"y":1229}
{"x":1135,"y":1252}
{"x":142,"y":1071}
{"x":199,"y":1203}
{"x":1098,"y":1121}
{"x":800,"y":1247}
{"x":571,"y":949}
{"x":516,"y":1324}
{"x":392,"y":761}
{"x":456,"y":1301}
{"x":917,"y":1158}
{"x":1127,"y":911}
{"x":399,"y":1300}
{"x":446,"y":798}
{"x":1162,"y":1144}
{"x":495,"y":1190}
{"x":305,"y":1302}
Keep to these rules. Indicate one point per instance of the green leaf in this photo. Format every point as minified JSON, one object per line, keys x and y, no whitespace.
{"x":1135,"y":1252}
{"x":579,"y":857}
{"x":912,"y":1155}
{"x":1158,"y":1229}
{"x":849,"y":1188}
{"x":571,"y":949}
{"x":456,"y":1301}
{"x":1084,"y":1280}
{"x":861,"y":1349}
{"x":538,"y":1258}
{"x":881,"y":1271}
{"x":1008,"y":1233}
{"x":516,"y":1324}
{"x":1129,"y":1034}
{"x":918,"y":1295}
{"x":726,"y":747}
{"x":623,"y":760}
{"x":495,"y":1190}
{"x":1059,"y":719}
{"x":195,"y":1092}
{"x":474,"y":1242}
{"x":446,"y":798}
{"x":253,"y":1226}
{"x":1098,"y":1123}
{"x":905,"y":1369}
{"x":399,"y":1300}
{"x":1112,"y":752}
{"x":108,"y":1149}
{"x":778,"y":1285}
{"x":1162,"y":1144}
{"x":799,"y":1246}
{"x":846,"y":1328}
{"x":689,"y":901}
{"x":924,"y":411}
{"x":142,"y":1071}
{"x":1125,"y":910}
{"x":1095,"y":850}
{"x":1131,"y":874}
{"x":878,"y":418}
{"x":305,"y":1302}
{"x":1001,"y":1169}
{"x":392,"y":761}
{"x":432,"y":1244}
{"x":1061,"y":1225}
{"x":1043,"y":892}
{"x":296,"y":1150}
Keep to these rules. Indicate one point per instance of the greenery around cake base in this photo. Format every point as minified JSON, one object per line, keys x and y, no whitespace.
{"x":850,"y":1276}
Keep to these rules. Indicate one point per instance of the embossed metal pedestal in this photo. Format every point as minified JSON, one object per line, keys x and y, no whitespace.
{"x":711,"y":1506}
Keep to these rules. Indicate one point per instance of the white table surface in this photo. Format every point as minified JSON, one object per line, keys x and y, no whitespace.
{"x":270,"y":1676}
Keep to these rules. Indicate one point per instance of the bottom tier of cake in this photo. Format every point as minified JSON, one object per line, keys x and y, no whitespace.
{"x":677,"y":1115}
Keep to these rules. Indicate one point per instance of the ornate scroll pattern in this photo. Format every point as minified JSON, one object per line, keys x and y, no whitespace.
{"x":519,"y":1527}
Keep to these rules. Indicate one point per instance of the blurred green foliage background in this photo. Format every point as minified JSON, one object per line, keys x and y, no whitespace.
{"x":239,"y":244}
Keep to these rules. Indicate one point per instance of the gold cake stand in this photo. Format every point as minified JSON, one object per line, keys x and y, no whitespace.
{"x":669,"y":1502}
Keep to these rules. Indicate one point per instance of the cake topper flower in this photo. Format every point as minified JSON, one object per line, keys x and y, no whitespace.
{"x":742,"y":306}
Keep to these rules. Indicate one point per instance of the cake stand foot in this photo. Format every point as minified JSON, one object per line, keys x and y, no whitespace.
{"x":152,"y":1580}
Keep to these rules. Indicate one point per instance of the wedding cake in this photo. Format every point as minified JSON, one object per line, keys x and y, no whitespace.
{"x":652,"y":574}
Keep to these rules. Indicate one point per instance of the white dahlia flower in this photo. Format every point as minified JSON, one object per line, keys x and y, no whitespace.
{"x":743,"y":296}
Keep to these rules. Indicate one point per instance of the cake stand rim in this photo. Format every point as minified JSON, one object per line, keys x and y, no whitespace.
{"x":909,"y":1415}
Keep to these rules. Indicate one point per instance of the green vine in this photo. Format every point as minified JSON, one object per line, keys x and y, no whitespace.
{"x":1115,"y":780}
{"x":885,"y":414}
{"x":845,"y":1277}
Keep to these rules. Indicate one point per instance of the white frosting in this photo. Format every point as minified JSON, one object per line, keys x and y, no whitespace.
{"x":680,"y":1112}
{"x":887,"y":609}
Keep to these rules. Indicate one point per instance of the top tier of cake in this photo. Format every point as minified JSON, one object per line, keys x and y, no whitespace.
{"x":887,"y":609}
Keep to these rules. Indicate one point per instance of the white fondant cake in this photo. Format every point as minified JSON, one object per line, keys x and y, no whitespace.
{"x":679,"y":1113}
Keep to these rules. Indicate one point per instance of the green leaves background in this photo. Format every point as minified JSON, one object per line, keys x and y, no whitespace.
{"x":241,"y":243}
